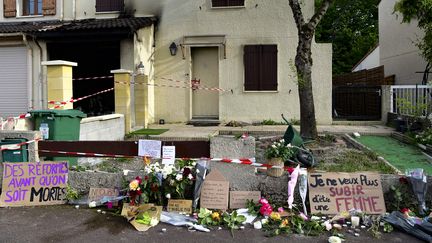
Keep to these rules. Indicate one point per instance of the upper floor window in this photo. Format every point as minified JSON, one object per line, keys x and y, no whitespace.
{"x":32,"y":7}
{"x":227,"y":3}
{"x":17,"y":8}
{"x":109,"y":5}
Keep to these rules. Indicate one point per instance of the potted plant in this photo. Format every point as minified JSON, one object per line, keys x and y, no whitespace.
{"x":276,"y":155}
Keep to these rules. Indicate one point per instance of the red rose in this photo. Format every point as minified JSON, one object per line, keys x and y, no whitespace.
{"x":405,"y":210}
{"x":146,"y":178}
{"x":186,"y":172}
{"x":138,"y":179}
{"x":290,"y":170}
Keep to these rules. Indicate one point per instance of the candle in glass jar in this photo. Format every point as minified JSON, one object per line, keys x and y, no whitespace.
{"x":355,"y":221}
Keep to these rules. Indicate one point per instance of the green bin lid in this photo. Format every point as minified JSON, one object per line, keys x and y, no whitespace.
{"x":58,"y":113}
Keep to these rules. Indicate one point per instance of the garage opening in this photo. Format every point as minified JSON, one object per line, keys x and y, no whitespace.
{"x":95,"y":60}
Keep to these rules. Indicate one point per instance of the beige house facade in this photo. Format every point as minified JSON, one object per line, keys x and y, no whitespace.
{"x":236,"y":55}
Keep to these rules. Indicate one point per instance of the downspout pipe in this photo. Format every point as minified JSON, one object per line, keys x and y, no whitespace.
{"x":30,"y":87}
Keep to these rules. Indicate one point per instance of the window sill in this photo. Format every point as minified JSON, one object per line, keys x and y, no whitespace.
{"x":260,"y":91}
{"x":29,"y":16}
{"x":109,"y":12}
{"x":228,"y":7}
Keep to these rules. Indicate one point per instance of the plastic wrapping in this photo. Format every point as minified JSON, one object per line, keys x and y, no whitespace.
{"x":398,"y":220}
{"x":203,"y":167}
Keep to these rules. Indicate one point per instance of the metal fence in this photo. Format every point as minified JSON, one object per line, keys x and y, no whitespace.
{"x":411,"y":99}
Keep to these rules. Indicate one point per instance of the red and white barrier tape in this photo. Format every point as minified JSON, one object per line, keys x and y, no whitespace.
{"x":63,"y":103}
{"x":91,"y":78}
{"x":16,"y":146}
{"x":233,"y":161}
{"x":177,"y":86}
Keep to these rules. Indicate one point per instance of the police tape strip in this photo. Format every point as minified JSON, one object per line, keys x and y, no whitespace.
{"x":91,"y":78}
{"x":250,"y":161}
{"x":63,"y":103}
{"x":14,"y":146}
{"x":176,"y":86}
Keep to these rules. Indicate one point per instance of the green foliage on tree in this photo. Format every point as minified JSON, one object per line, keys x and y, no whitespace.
{"x":420,"y":10}
{"x":352,"y":27}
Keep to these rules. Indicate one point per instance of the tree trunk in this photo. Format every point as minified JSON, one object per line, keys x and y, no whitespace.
{"x":303,"y":63}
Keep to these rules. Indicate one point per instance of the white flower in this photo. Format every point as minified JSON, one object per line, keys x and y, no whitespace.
{"x":289,"y":145}
{"x":179,"y":177}
{"x":168,"y":196}
{"x":154,"y":222}
{"x":190,"y":176}
{"x":282,"y":140}
{"x":334,"y":239}
{"x":92,"y":204}
{"x":273,"y":146}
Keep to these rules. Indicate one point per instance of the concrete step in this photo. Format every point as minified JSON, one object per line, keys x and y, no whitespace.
{"x":204,"y":122}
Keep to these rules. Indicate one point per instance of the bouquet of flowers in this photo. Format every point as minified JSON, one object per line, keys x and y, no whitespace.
{"x":279,"y":150}
{"x":179,"y":183}
{"x":135,"y":190}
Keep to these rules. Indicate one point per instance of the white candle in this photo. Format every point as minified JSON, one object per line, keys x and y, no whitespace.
{"x":355,"y":221}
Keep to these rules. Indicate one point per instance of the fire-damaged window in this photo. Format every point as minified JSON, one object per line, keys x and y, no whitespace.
{"x":260,"y":66}
{"x":92,"y":75}
{"x":109,"y":5}
{"x":227,"y":3}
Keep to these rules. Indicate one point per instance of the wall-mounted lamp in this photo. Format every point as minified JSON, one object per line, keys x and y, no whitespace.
{"x":140,"y":68}
{"x":173,"y":49}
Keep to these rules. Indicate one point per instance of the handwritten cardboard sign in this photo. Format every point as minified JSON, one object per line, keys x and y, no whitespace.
{"x":150,"y":148}
{"x":96,"y":194}
{"x":30,"y":184}
{"x":181,"y":206}
{"x":215,"y":191}
{"x":332,"y":193}
{"x":168,"y":155}
{"x":238,"y":198}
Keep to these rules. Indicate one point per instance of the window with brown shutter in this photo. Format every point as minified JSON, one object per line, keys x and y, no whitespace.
{"x":9,"y":8}
{"x":109,"y":5}
{"x":227,"y":3}
{"x":260,"y":66}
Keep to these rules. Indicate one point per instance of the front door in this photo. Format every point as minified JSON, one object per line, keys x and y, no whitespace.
{"x":205,"y":68}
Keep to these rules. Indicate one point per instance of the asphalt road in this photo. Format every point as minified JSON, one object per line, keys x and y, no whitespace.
{"x":67,"y":224}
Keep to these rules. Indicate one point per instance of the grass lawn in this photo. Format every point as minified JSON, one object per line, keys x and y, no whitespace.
{"x":149,"y":132}
{"x":402,"y":156}
{"x":355,"y":161}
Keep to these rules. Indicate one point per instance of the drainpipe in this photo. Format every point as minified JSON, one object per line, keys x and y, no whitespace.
{"x":30,"y":90}
{"x":74,"y":9}
{"x":40,"y":80}
{"x":61,"y":10}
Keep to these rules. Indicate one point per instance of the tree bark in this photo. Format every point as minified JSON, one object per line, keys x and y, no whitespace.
{"x":303,"y":63}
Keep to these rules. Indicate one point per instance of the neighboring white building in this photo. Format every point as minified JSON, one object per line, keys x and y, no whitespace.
{"x":397,"y":50}
{"x":242,"y":47}
{"x":369,"y":61}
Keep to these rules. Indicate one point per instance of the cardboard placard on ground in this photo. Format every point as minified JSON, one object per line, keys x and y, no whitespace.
{"x":96,"y":194}
{"x":215,"y":191}
{"x":181,"y":206}
{"x":32,"y":184}
{"x":238,"y":198}
{"x":332,"y":193}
